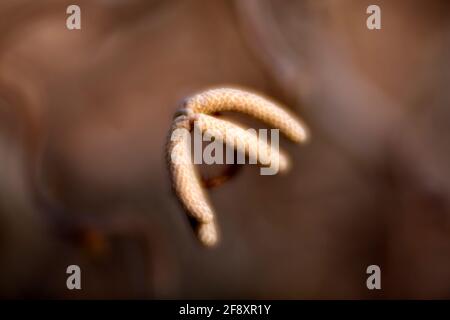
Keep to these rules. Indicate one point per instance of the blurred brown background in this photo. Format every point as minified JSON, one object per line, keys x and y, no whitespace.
{"x":83,"y":122}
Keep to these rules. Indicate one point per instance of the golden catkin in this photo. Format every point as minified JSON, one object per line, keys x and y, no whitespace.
{"x":185,"y":179}
{"x":229,"y":99}
{"x":242,"y":140}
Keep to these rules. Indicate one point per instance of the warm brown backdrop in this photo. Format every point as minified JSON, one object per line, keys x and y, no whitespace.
{"x":83,"y":122}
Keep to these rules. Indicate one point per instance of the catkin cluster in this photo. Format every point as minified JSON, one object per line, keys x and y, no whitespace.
{"x":199,"y":111}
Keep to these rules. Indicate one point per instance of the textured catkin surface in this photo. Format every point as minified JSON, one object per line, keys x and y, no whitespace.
{"x":230,"y":99}
{"x":186,"y":181}
{"x":244,"y":141}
